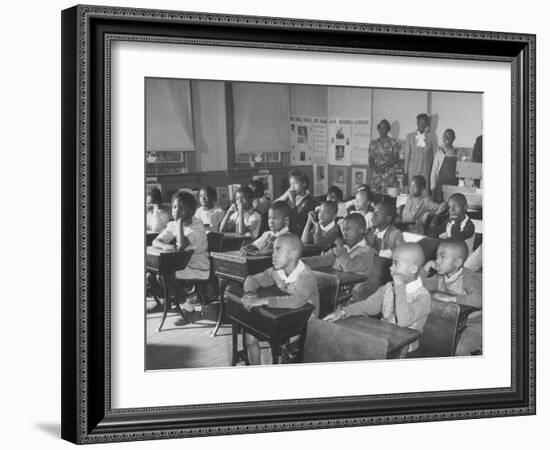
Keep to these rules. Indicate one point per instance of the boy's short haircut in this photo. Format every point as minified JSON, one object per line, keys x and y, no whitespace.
{"x":300,"y":176}
{"x":389,"y":208}
{"x":186,"y":199}
{"x":357,"y":219}
{"x":259,"y":187}
{"x":423,"y":116}
{"x":420,"y":181}
{"x":156,"y":196}
{"x":282,"y":207}
{"x":459,"y":246}
{"x":294,"y":241}
{"x":246,"y":192}
{"x":333,"y":206}
{"x":365,"y":188}
{"x":337,"y":192}
{"x":210,"y":192}
{"x":459,"y":198}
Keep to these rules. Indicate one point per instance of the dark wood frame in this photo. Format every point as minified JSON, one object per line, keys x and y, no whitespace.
{"x":87,"y":31}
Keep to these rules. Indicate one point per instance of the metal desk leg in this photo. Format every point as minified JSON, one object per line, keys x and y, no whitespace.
{"x":223,"y":285}
{"x":164,"y":286}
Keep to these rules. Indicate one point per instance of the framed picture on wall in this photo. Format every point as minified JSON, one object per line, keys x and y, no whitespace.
{"x":422,"y":89}
{"x":358,"y":177}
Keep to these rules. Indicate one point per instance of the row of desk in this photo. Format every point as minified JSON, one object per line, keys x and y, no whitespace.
{"x":233,"y":266}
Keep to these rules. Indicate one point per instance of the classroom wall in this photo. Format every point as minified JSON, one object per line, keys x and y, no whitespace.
{"x":460,"y":111}
{"x":400,"y":108}
{"x":308,"y":100}
{"x":349,"y":103}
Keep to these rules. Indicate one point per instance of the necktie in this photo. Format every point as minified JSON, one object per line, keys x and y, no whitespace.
{"x":388,"y":304}
{"x":269,"y":241}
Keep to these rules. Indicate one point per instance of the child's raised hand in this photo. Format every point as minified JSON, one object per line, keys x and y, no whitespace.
{"x":232,"y":209}
{"x":334,"y":316}
{"x":442,"y":208}
{"x":429,"y":265}
{"x":312,"y":217}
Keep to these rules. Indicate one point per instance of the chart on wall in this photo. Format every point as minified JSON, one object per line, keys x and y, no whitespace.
{"x":308,"y":139}
{"x":348,"y":141}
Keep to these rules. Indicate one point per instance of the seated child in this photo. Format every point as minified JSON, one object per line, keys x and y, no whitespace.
{"x":362,"y":205}
{"x":458,"y":226}
{"x":210,"y":214}
{"x":321,"y":228}
{"x":454,"y":283}
{"x":157,"y":218}
{"x":299,"y":200}
{"x":335,"y":194}
{"x":352,"y":254}
{"x":403,"y":301}
{"x":186,"y":232}
{"x":241,"y":217}
{"x":444,"y":166}
{"x":278,"y":221}
{"x":261,"y":202}
{"x":383,"y":236}
{"x":419,"y":206}
{"x":291,"y":276}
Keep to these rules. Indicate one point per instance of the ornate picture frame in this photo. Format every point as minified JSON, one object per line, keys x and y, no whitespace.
{"x":87,"y":35}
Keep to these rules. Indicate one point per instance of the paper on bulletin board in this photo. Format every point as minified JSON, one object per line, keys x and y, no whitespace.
{"x":320,"y":179}
{"x":358,"y":177}
{"x":340,"y":178}
{"x":339,"y":145}
{"x":308,"y":140}
{"x":360,"y":140}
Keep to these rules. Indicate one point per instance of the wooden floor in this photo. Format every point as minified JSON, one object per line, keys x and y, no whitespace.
{"x":190,"y":345}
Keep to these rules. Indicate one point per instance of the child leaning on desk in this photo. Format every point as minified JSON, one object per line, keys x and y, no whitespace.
{"x":351,"y":254}
{"x":452,"y":282}
{"x":241,"y":216}
{"x":321,"y":228}
{"x":384,"y":237}
{"x":278,"y":220}
{"x":291,"y":276}
{"x":403,"y":301}
{"x":186,"y":232}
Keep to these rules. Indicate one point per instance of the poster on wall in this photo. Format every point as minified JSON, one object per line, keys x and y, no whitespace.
{"x":358,"y":177}
{"x":320,"y":179}
{"x":360,"y":140}
{"x":320,"y":140}
{"x":267,"y":180}
{"x":340,"y":178}
{"x":308,"y":140}
{"x":339,"y":145}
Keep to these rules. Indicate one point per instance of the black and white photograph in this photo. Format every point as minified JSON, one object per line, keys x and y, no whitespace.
{"x":310,"y":264}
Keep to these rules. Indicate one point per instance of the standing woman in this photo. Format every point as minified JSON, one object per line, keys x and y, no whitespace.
{"x":444,"y":166}
{"x":420,"y":148}
{"x":384,"y":158}
{"x":299,"y":200}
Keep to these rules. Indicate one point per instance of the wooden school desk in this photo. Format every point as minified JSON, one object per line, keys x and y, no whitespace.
{"x":399,"y":338}
{"x":274,"y":325}
{"x":165,"y":264}
{"x":150,"y":237}
{"x":234,"y":241}
{"x":233,"y":266}
{"x":346,"y":281}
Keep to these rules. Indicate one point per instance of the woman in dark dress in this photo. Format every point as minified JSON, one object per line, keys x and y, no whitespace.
{"x":444,"y":166}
